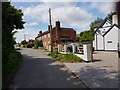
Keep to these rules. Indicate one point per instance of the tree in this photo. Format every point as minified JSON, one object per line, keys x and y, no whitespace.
{"x":88,"y":36}
{"x":111,"y":14}
{"x":38,"y":43}
{"x":11,"y":19}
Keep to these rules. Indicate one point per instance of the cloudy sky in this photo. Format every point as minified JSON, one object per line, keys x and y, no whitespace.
{"x":77,"y":15}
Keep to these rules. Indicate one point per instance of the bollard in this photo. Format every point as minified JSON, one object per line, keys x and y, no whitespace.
{"x":65,"y":48}
{"x":59,"y":47}
{"x":87,"y":52}
{"x":49,"y":46}
{"x":74,"y":48}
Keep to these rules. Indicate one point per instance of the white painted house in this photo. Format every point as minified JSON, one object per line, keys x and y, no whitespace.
{"x":106,"y":34}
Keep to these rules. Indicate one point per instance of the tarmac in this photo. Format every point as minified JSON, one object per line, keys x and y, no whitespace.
{"x":101,"y":73}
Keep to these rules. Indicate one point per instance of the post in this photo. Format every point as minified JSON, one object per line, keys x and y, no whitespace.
{"x":87,"y":55}
{"x":51,"y":37}
{"x":91,"y":52}
{"x":74,"y":48}
{"x":59,"y":47}
{"x":65,"y":48}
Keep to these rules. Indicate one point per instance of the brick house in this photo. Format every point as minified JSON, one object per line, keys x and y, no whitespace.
{"x":59,"y":34}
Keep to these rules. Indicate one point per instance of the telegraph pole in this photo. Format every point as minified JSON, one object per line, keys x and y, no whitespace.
{"x":51,"y":37}
{"x":24,"y":38}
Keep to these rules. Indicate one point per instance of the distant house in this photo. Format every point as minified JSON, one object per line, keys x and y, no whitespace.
{"x":59,"y":34}
{"x":106,"y":34}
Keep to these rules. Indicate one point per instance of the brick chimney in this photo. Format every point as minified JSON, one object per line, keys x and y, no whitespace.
{"x":58,"y":31}
{"x":114,"y":19}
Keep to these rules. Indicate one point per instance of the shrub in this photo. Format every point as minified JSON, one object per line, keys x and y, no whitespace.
{"x":35,"y":47}
{"x":60,"y":56}
{"x":10,"y":66}
{"x":29,"y":45}
{"x":54,"y":54}
{"x":69,"y":58}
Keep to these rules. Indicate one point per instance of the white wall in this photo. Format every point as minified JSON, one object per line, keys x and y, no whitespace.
{"x":119,"y":38}
{"x":112,"y":35}
{"x":100,"y":42}
{"x":114,"y":19}
{"x":94,"y":43}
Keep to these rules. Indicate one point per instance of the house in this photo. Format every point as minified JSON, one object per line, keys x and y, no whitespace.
{"x":59,"y":34}
{"x":106,"y":34}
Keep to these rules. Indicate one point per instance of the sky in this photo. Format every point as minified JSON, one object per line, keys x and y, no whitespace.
{"x":71,"y":14}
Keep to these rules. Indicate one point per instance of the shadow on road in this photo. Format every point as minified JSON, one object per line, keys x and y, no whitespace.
{"x":37,"y":72}
{"x":96,"y":77}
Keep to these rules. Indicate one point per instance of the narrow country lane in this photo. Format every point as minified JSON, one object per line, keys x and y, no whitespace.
{"x":40,"y":71}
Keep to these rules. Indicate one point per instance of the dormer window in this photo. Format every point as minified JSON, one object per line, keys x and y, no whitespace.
{"x":103,"y":31}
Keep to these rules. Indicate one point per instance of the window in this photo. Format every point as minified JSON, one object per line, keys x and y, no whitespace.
{"x":44,"y":36}
{"x":49,"y":35}
{"x":109,"y":41}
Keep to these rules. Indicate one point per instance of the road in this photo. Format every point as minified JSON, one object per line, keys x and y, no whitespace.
{"x":38,"y":70}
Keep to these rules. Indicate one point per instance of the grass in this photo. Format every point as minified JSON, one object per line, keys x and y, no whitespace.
{"x":65,"y":57}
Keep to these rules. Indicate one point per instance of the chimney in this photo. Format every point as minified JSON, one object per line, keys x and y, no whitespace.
{"x":114,"y":19}
{"x":58,"y":24}
{"x":40,"y":32}
{"x":58,"y":31}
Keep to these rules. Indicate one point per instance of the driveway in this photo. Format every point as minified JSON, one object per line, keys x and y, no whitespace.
{"x":38,"y":70}
{"x":102,"y":73}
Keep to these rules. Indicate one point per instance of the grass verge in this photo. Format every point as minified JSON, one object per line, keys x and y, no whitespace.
{"x":68,"y":58}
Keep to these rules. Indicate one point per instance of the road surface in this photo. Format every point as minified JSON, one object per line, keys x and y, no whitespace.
{"x":38,"y":70}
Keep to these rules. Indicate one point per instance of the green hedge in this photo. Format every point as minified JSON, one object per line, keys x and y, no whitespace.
{"x":10,"y":67}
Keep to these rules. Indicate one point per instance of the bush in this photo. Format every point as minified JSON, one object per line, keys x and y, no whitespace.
{"x":60,"y":56}
{"x":65,"y":57}
{"x":68,"y":58}
{"x":29,"y":45}
{"x":35,"y":47}
{"x":54,"y":54}
{"x":10,"y":66}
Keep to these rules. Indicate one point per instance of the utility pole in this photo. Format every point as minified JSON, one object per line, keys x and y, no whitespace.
{"x":51,"y":36}
{"x":24,"y":38}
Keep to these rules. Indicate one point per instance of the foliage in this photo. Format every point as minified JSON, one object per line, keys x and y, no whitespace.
{"x":54,"y":54}
{"x":10,"y":66}
{"x":38,"y":43}
{"x":98,"y":20}
{"x":65,"y":57}
{"x":88,"y":36}
{"x":69,"y":58}
{"x":110,"y":15}
{"x":11,"y":19}
{"x":78,"y":37}
{"x":23,"y":42}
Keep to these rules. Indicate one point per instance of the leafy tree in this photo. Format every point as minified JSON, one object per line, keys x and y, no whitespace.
{"x":78,"y":37}
{"x":23,"y":42}
{"x":11,"y":19}
{"x":88,"y":36}
{"x":110,"y":15}
{"x":38,"y":43}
